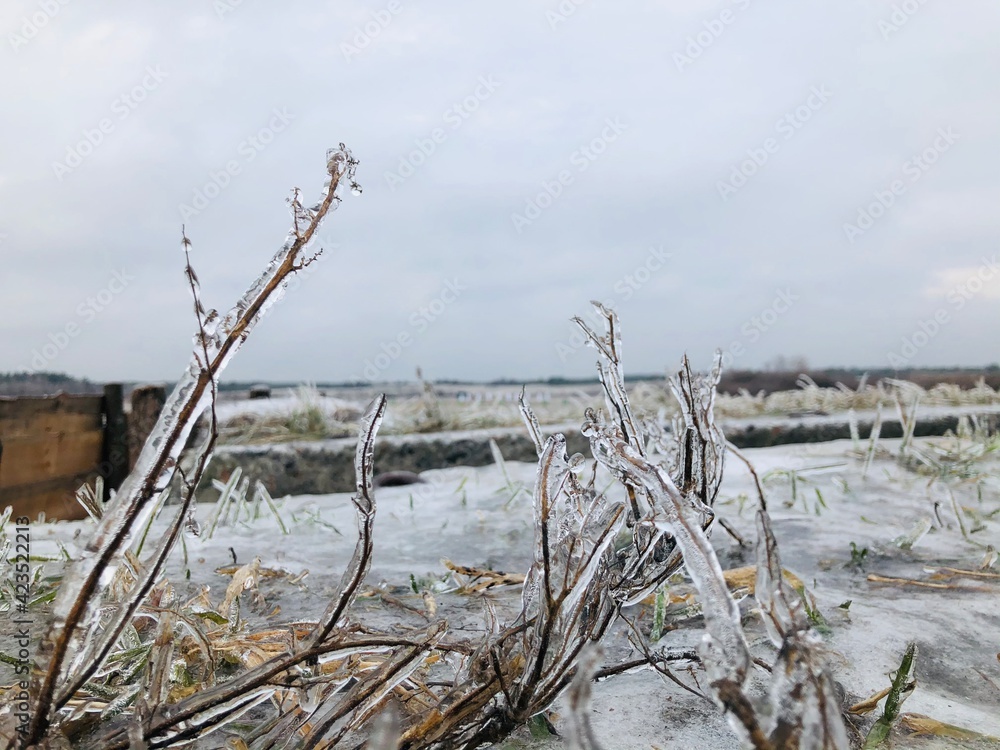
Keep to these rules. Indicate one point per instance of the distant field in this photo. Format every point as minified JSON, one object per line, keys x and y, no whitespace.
{"x":310,"y":412}
{"x":770,"y":382}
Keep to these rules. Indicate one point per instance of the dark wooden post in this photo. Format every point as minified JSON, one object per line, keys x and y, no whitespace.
{"x":147,"y":403}
{"x":114,"y":453}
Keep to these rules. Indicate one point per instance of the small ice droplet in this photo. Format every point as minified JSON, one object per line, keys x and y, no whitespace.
{"x":355,"y":190}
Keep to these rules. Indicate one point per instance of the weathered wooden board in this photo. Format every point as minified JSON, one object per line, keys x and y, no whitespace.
{"x":28,"y":460}
{"x":50,"y":447}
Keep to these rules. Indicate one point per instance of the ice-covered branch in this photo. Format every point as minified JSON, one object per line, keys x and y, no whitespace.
{"x":77,"y":604}
{"x":364,"y":502}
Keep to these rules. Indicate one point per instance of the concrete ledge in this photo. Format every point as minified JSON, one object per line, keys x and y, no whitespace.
{"x":766,"y":435}
{"x":321,"y":467}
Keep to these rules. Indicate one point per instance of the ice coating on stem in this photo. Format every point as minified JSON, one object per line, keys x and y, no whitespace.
{"x":694,"y":461}
{"x":125,"y":514}
{"x":531,"y":423}
{"x":96,"y":648}
{"x":75,"y":608}
{"x":364,"y":502}
{"x":363,"y":699}
{"x":580,"y":735}
{"x":574,"y":530}
{"x":518,"y":672}
{"x":669,"y":513}
{"x":700,"y":453}
{"x":726,"y":654}
{"x":612,"y":375}
{"x":804,"y":713}
{"x":779,"y":606}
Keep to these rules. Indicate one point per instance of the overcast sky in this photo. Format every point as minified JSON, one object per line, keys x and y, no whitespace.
{"x":815,"y":180}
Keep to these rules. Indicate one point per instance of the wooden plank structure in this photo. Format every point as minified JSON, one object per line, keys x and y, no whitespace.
{"x":50,"y":446}
{"x":114,"y":450}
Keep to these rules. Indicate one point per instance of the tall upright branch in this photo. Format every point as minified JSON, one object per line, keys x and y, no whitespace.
{"x":77,"y":604}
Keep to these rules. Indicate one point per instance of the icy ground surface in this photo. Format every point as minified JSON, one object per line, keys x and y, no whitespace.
{"x":475,"y":517}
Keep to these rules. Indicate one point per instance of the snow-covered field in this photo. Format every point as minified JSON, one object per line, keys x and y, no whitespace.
{"x":309,"y":413}
{"x":872,"y":600}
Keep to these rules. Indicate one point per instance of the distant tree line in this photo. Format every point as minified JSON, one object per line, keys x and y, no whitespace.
{"x":44,"y":384}
{"x":768,"y":380}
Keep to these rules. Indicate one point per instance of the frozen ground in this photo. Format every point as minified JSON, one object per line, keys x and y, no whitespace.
{"x":476,"y":517}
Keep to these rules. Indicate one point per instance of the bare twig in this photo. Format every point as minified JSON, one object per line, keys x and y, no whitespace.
{"x":753,"y":472}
